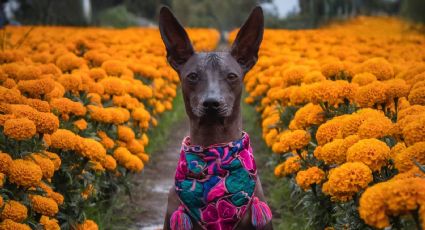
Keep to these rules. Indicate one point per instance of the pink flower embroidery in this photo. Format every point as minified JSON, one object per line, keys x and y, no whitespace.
{"x":220,"y":217}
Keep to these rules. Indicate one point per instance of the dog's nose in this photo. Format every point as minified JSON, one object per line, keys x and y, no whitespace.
{"x":211,"y":103}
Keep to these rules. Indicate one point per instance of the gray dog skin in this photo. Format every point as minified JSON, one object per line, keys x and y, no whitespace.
{"x":212,"y":86}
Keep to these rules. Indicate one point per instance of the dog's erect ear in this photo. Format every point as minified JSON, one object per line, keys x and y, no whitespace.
{"x":247,"y":43}
{"x":177,"y":43}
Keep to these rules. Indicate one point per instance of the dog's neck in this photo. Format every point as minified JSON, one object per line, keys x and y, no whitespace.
{"x":206,"y":133}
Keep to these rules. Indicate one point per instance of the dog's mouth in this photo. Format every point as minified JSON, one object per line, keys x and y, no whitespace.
{"x":213,"y":114}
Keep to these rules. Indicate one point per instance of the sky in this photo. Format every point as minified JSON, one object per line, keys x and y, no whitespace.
{"x":285,"y":6}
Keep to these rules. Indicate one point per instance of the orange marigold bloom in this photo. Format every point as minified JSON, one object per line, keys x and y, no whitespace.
{"x":109,"y":163}
{"x":71,"y":82}
{"x":14,"y":210}
{"x":67,"y":106}
{"x":410,"y":110}
{"x":49,"y":223}
{"x":28,"y":73}
{"x":332,"y":69}
{"x":92,"y":149}
{"x":371,"y":152}
{"x":25,"y":173}
{"x":65,"y":140}
{"x":396,"y":88}
{"x":9,"y":224}
{"x":417,"y":96}
{"x":2,"y":177}
{"x":69,"y":62}
{"x":105,"y":140}
{"x":134,"y":146}
{"x":44,"y":205}
{"x":329,"y":130}
{"x":80,"y":124}
{"x":405,"y":159}
{"x":113,"y":67}
{"x":12,"y":96}
{"x":114,"y":86}
{"x":379,"y":67}
{"x":128,"y":160}
{"x":371,"y":94}
{"x":39,"y":105}
{"x":391,"y":198}
{"x":47,"y":166}
{"x":294,"y":140}
{"x":143,"y":156}
{"x":57,"y":92}
{"x":19,"y":128}
{"x":375,"y":127}
{"x":363,"y":78}
{"x":346,"y":180}
{"x":36,"y":88}
{"x":330,"y":152}
{"x":306,"y":178}
{"x":88,"y":225}
{"x":313,"y":76}
{"x":125,"y":133}
{"x":290,"y":166}
{"x":97,"y":74}
{"x":5,"y":162}
{"x":415,"y":131}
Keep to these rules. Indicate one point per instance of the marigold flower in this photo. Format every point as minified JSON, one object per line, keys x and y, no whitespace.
{"x":371,"y":94}
{"x":363,"y":78}
{"x":9,"y":224}
{"x":379,"y":67}
{"x":87,"y":225}
{"x":92,"y":149}
{"x":306,"y":178}
{"x":140,"y":114}
{"x":39,"y":105}
{"x":396,"y":88}
{"x":19,"y":128}
{"x":12,"y":96}
{"x":346,"y":180}
{"x":128,"y":160}
{"x":49,"y":223}
{"x":36,"y":88}
{"x":417,"y":96}
{"x":405,"y":159}
{"x":291,"y":165}
{"x":69,"y":62}
{"x":294,"y":140}
{"x":80,"y":124}
{"x":2,"y":177}
{"x":329,"y":130}
{"x":14,"y":210}
{"x":125,"y":133}
{"x":330,"y":152}
{"x":109,"y":163}
{"x":391,"y":198}
{"x":105,"y":140}
{"x":57,"y":92}
{"x":313,"y":76}
{"x":44,"y":205}
{"x":114,"y":86}
{"x":411,"y":110}
{"x":143,"y":156}
{"x":5,"y":162}
{"x":371,"y":152}
{"x":28,"y":73}
{"x":375,"y":127}
{"x":65,"y":140}
{"x":97,"y":73}
{"x":25,"y":173}
{"x":332,"y":69}
{"x":415,"y":131}
{"x":71,"y":82}
{"x":67,"y":106}
{"x":57,"y":197}
{"x":134,"y":146}
{"x":47,"y":166}
{"x":113,"y":67}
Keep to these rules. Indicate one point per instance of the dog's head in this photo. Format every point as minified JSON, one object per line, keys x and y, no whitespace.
{"x":211,"y":81}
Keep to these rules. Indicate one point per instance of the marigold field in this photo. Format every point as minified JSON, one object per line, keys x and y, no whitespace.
{"x":343,"y":109}
{"x":75,"y":108}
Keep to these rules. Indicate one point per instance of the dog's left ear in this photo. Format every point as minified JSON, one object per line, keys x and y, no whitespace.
{"x":247,"y":43}
{"x":176,"y":41}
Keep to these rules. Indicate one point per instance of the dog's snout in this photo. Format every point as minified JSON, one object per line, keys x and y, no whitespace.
{"x":211,"y":103}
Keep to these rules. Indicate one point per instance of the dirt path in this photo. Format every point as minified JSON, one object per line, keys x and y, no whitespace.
{"x":156,"y":180}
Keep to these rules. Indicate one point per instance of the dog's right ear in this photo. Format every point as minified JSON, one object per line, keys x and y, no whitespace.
{"x":176,"y":41}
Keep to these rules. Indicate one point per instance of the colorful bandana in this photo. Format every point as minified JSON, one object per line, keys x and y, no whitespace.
{"x":215,"y":184}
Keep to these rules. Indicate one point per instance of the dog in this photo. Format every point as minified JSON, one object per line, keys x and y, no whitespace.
{"x":216,"y":182}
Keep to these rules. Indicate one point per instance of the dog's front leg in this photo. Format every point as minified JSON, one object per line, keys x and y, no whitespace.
{"x":172,"y":205}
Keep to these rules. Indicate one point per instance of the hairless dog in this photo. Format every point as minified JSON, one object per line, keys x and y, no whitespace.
{"x":221,"y":191}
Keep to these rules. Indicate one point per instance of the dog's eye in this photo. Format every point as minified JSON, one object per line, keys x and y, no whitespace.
{"x":193,"y":77}
{"x":232,"y":76}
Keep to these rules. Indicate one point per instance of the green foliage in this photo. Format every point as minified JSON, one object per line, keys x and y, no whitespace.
{"x":117,"y":17}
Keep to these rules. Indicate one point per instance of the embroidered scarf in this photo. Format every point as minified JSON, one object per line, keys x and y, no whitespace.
{"x":216,"y":184}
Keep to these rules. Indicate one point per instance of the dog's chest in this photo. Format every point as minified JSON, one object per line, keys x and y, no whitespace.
{"x":216,"y":184}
